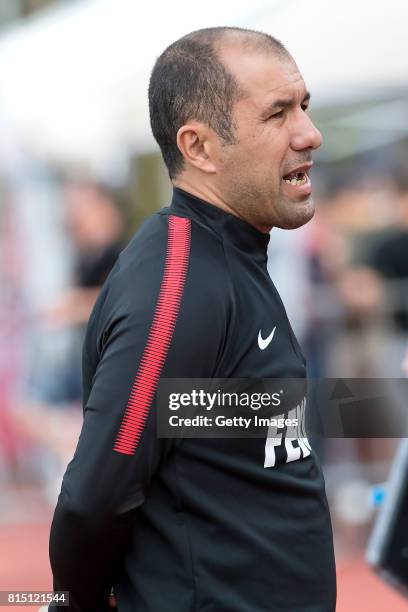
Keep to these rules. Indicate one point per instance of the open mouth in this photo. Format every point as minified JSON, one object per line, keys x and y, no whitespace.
{"x":296,"y":178}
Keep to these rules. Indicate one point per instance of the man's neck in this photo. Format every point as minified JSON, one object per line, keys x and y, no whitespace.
{"x":211,"y":196}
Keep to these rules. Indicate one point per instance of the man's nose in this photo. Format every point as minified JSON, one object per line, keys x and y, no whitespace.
{"x":305,"y":134}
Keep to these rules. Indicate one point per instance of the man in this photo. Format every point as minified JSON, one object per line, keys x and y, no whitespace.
{"x":215,"y":525}
{"x":95,"y":227}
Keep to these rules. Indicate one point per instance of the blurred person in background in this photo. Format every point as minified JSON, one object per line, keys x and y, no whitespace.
{"x":219,"y":524}
{"x":350,"y":299}
{"x":95,"y":226}
{"x":372,"y":280}
{"x":390,"y":260}
{"x":358,"y":317}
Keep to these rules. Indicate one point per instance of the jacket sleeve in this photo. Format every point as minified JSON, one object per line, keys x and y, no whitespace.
{"x":156,"y":317}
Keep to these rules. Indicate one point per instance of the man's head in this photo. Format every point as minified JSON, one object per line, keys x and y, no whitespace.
{"x":227,"y":109}
{"x":91,"y":215}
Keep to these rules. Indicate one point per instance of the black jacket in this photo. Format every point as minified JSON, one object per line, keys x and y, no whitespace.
{"x":209,"y":525}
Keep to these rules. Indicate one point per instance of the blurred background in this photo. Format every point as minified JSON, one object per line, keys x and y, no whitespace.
{"x":79,"y":171}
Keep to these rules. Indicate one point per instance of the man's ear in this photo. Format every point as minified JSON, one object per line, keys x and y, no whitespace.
{"x":195,"y":142}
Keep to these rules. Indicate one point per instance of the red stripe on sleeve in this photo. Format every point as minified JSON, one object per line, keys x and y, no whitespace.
{"x":159,"y":338}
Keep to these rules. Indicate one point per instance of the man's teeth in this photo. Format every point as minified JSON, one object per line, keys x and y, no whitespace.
{"x":299,"y":179}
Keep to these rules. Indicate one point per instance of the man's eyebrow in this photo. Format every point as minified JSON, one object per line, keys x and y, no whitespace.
{"x":286,"y":102}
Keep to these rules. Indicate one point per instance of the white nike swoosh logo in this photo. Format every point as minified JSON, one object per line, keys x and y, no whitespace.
{"x":263,"y":343}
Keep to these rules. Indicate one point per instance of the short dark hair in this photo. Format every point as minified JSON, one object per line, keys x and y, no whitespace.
{"x":189,"y":81}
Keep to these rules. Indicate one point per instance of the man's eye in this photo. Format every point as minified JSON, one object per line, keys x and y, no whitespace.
{"x":277,"y":115}
{"x":305,"y":107}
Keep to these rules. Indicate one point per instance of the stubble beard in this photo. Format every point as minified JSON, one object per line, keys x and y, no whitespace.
{"x":259,"y":201}
{"x":292,"y":214}
{"x":264,"y":209}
